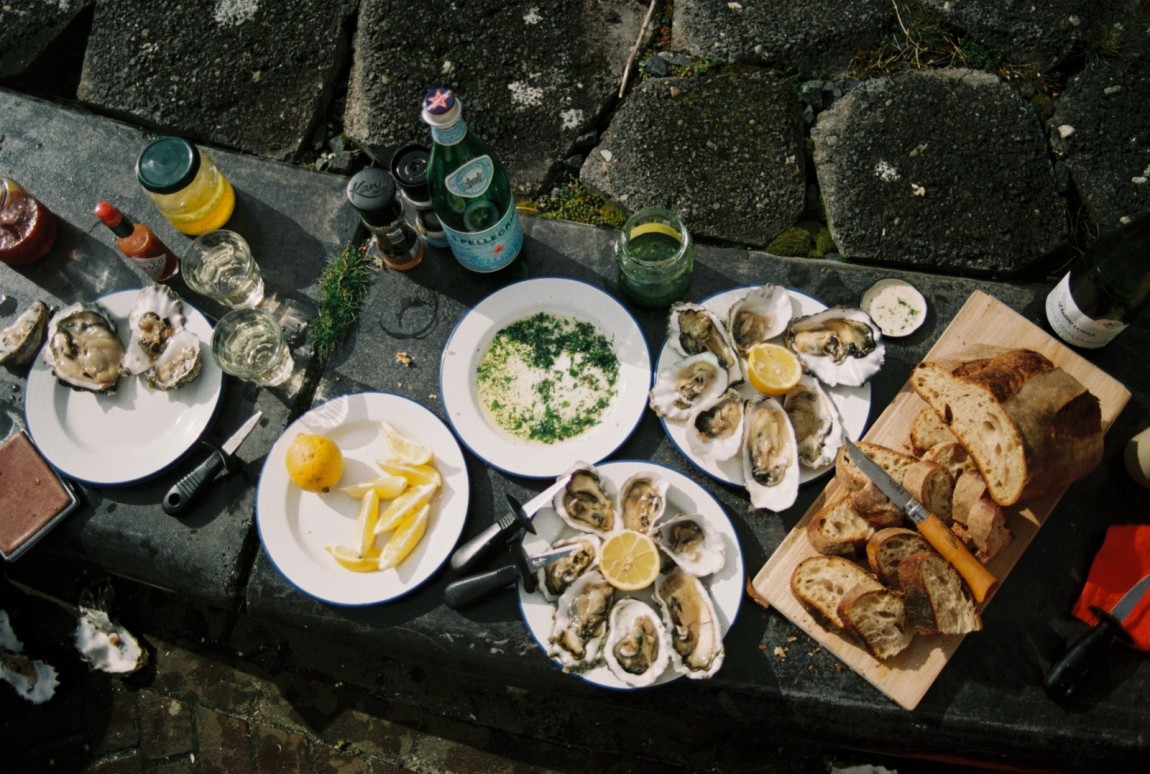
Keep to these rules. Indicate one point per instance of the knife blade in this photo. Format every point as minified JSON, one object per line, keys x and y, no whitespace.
{"x":461,"y":592}
{"x":188,"y":487}
{"x":518,"y":517}
{"x":980,"y":580}
{"x":1067,"y":674}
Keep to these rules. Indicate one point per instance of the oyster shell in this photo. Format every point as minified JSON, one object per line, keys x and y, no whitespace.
{"x":815,"y":419}
{"x":838,"y":345}
{"x":556,"y":577}
{"x":83,"y":350}
{"x":693,"y":329}
{"x":33,"y":679}
{"x":159,"y":345}
{"x":715,"y":429}
{"x":20,"y":340}
{"x":763,"y":313}
{"x":682,"y":386}
{"x":770,"y":455}
{"x":692,"y":543}
{"x":692,"y":624}
{"x":179,"y":363}
{"x":637,"y":650}
{"x":642,"y":500}
{"x":585,"y":503}
{"x":579,"y":625}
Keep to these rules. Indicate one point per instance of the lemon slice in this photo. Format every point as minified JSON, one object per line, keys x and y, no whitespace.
{"x":387,"y":487}
{"x":404,"y":540}
{"x":629,"y":560}
{"x":403,"y":506}
{"x":404,"y":449}
{"x":773,"y":369}
{"x":350,"y":559}
{"x":415,"y":475}
{"x":365,"y":524}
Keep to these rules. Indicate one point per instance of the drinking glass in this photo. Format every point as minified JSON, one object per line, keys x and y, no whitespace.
{"x":219,"y":265}
{"x":249,"y":343}
{"x":655,"y":254}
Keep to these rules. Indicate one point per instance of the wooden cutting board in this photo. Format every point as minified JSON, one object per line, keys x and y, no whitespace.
{"x":983,"y":319}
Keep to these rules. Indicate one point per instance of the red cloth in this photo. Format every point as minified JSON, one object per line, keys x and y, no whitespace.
{"x":1122,"y":561}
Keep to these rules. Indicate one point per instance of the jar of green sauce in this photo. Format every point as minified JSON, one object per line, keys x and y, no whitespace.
{"x":655,"y":256}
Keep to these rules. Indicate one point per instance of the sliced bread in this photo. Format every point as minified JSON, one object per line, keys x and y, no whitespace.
{"x":927,"y":430}
{"x":837,"y":528}
{"x":820,"y":582}
{"x":927,"y":482}
{"x":988,"y":528}
{"x":877,"y":618}
{"x":878,"y":510}
{"x":935,"y":596}
{"x":886,"y":549}
{"x":952,"y":456}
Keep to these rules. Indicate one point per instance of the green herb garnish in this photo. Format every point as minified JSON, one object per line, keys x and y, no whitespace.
{"x":342,"y":287}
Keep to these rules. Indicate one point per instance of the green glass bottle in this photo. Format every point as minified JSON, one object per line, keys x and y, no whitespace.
{"x":469,"y":189}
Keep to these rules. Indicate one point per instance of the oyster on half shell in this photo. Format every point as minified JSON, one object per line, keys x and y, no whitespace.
{"x":556,"y":577}
{"x":715,"y":430}
{"x":691,"y":543}
{"x":160,"y":347}
{"x":683,"y":385}
{"x":839,"y":345}
{"x":20,"y":340}
{"x":761,"y":314}
{"x":642,"y":500}
{"x":815,"y":418}
{"x":637,"y":649}
{"x":579,"y":625}
{"x":770,"y":455}
{"x":586,"y":503}
{"x":694,"y":328}
{"x":692,"y":623}
{"x":83,"y":350}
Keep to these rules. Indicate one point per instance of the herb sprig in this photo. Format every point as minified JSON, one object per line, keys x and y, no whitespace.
{"x":342,"y":286}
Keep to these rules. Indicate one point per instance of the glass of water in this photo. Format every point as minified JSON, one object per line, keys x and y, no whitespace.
{"x":219,"y":265}
{"x":249,"y":343}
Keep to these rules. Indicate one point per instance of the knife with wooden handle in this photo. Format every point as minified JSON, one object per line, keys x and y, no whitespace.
{"x":980,"y":580}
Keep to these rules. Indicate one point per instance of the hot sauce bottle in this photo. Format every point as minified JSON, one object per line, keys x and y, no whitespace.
{"x":139,"y":244}
{"x":27,"y":227}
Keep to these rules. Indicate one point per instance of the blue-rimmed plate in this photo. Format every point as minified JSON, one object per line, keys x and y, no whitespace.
{"x":562,"y":298}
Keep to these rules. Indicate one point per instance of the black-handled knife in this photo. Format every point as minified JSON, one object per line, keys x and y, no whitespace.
{"x":1065,"y":677}
{"x":518,"y":517}
{"x":223,"y":456}
{"x":460,"y":593}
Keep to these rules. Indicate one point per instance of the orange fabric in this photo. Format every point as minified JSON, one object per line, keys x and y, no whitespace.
{"x":1121,"y":562}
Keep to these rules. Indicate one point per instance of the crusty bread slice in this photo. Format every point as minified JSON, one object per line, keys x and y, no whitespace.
{"x":877,"y":618}
{"x":886,"y":549}
{"x":935,"y":596}
{"x":891,"y":460}
{"x":927,"y":430}
{"x":927,"y":482}
{"x":837,"y":528}
{"x":952,"y":456}
{"x":988,"y":528}
{"x":932,"y":485}
{"x":870,"y":503}
{"x":1030,"y":427}
{"x":820,"y":582}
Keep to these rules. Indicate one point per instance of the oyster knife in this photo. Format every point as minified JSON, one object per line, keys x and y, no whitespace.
{"x":186,"y":489}
{"x":465,"y":590}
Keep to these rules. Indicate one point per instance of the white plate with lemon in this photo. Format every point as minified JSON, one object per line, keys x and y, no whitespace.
{"x":390,"y":503}
{"x":853,"y":403}
{"x":683,"y":496}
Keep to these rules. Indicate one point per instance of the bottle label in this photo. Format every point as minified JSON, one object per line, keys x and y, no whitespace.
{"x":472,"y":178}
{"x":491,"y":249}
{"x":449,"y":135}
{"x":1073,"y":325}
{"x":153,"y":267}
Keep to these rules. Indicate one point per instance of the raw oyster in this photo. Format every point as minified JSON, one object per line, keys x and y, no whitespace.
{"x":586,"y":503}
{"x":20,"y":340}
{"x":642,"y":500}
{"x":637,"y":650}
{"x":770,"y":455}
{"x":83,"y":350}
{"x":159,"y":346}
{"x":838,"y":345}
{"x":815,"y":418}
{"x":579,"y":625}
{"x":693,"y":329}
{"x":692,"y":543}
{"x":556,"y":577}
{"x":683,"y":385}
{"x":715,"y":430}
{"x":763,"y":313}
{"x":179,"y":363}
{"x":692,"y":623}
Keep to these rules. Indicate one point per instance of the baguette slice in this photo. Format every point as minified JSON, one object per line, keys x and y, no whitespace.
{"x":927,"y":430}
{"x":878,"y":510}
{"x":932,"y":485}
{"x":935,"y":596}
{"x":952,"y":456}
{"x":927,"y":482}
{"x":837,"y":528}
{"x":887,"y":548}
{"x":819,"y":583}
{"x":877,"y":618}
{"x":988,"y":528}
{"x":1029,"y":426}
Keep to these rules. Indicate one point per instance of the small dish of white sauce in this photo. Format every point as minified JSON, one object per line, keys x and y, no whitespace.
{"x":896,"y":307}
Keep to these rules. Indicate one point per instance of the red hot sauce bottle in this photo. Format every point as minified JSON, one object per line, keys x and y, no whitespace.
{"x":27,"y":227}
{"x":139,"y":244}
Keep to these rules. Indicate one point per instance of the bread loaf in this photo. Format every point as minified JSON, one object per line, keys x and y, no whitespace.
{"x":886,"y":549}
{"x":1030,"y":427}
{"x":935,"y":596}
{"x":820,"y":582}
{"x":837,"y":528}
{"x":877,"y":618}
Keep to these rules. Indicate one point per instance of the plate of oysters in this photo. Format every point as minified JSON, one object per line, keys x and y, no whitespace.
{"x":733,"y":433}
{"x":135,"y":365}
{"x":637,"y":638}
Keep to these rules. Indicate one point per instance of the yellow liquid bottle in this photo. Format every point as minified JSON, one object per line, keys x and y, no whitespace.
{"x":185,"y":185}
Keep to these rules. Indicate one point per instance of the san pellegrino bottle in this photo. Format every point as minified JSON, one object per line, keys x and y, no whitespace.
{"x":469,"y":189}
{"x":1095,"y":300}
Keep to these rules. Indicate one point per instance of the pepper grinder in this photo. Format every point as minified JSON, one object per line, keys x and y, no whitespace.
{"x":373,"y":194}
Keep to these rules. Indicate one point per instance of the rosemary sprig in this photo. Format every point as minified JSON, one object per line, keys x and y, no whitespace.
{"x":342,"y":287}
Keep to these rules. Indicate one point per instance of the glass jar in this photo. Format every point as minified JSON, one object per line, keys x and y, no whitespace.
{"x":655,"y":254}
{"x":27,"y":227}
{"x":185,"y":185}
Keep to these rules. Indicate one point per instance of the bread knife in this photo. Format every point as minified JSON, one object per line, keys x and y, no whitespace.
{"x":980,"y":580}
{"x":186,"y":489}
{"x":1068,"y":672}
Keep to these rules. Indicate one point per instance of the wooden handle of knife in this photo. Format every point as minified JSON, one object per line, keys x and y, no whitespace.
{"x":979,"y":579}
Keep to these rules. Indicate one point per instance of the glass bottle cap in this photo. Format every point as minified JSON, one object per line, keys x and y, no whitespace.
{"x":167,"y":164}
{"x":409,"y":168}
{"x":441,"y":107}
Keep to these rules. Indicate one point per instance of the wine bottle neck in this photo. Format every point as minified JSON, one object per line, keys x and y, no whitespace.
{"x":449,"y":135}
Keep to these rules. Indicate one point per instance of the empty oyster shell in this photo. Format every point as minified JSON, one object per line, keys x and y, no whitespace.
{"x":770,"y":455}
{"x":692,"y":623}
{"x":838,"y":345}
{"x":33,"y":679}
{"x":579,"y":625}
{"x":763,"y":313}
{"x":682,"y":386}
{"x":638,"y":650}
{"x":586,"y":503}
{"x":642,"y":500}
{"x":715,"y":429}
{"x":694,"y":328}
{"x":692,"y":543}
{"x":83,"y":350}
{"x":815,"y":418}
{"x":20,"y":340}
{"x":556,"y":577}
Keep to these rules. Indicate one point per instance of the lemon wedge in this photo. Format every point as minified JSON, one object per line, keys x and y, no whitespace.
{"x":415,"y":475}
{"x":387,"y":487}
{"x":365,"y":524}
{"x":406,"y":450}
{"x":404,"y":540}
{"x":773,"y":369}
{"x":399,"y":509}
{"x":350,"y":559}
